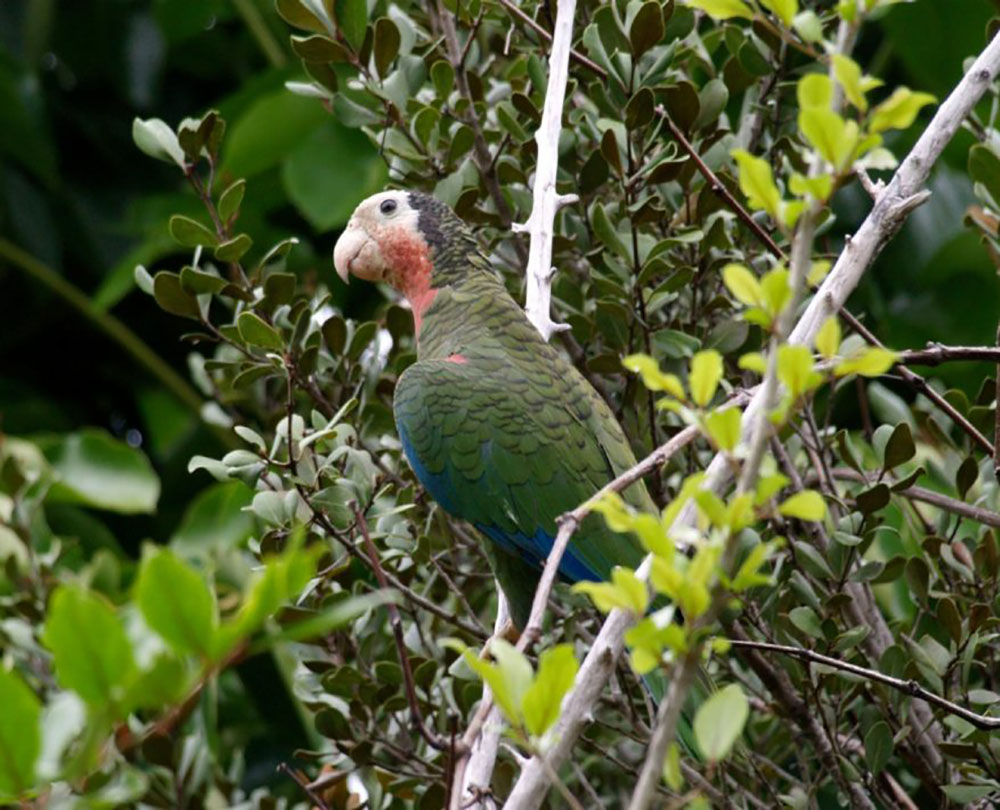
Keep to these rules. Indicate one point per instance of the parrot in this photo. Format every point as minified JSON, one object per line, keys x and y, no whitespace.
{"x":497,"y":425}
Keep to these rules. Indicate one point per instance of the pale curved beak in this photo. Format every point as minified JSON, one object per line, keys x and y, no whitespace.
{"x":352,"y":241}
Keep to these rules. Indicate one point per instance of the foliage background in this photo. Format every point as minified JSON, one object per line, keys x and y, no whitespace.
{"x":77,"y":196}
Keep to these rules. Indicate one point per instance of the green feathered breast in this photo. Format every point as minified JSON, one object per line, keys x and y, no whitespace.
{"x":505,"y":433}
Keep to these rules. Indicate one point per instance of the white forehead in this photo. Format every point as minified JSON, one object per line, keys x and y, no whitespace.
{"x":371,"y":210}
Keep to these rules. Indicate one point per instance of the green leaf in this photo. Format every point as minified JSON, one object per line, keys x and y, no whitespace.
{"x":91,"y":653}
{"x":231,"y":199}
{"x":176,"y":602}
{"x":646,"y":29}
{"x":723,"y":427}
{"x":900,"y":447}
{"x":326,"y":191}
{"x":899,"y":111}
{"x":742,"y":284}
{"x":190,"y":233}
{"x":173,"y":298}
{"x":386,"y":44}
{"x":784,"y":10}
{"x":20,"y":734}
{"x":257,"y":332}
{"x":96,"y":470}
{"x":723,"y":9}
{"x":805,"y":619}
{"x":757,"y":183}
{"x":157,"y":140}
{"x":508,"y":679}
{"x":215,"y":520}
{"x":232,"y":250}
{"x":557,"y":668}
{"x":805,"y":505}
{"x":352,"y":17}
{"x":719,"y":722}
{"x":295,"y":13}
{"x":197,"y":282}
{"x":966,"y":794}
{"x":706,"y":372}
{"x":872,"y":361}
{"x":878,"y":747}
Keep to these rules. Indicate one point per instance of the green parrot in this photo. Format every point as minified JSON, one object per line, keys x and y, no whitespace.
{"x":498,"y":425}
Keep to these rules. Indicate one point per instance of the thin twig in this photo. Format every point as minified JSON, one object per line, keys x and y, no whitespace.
{"x":909,"y":687}
{"x":304,"y":785}
{"x":432,"y":738}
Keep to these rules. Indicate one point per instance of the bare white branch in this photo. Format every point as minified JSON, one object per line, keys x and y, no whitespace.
{"x":902,"y":194}
{"x":474,"y":774}
{"x":545,"y":200}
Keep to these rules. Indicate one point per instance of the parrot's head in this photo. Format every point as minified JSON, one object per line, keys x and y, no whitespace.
{"x":407,"y":239}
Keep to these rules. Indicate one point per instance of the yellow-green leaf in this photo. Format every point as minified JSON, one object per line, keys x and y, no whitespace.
{"x":815,"y":90}
{"x":757,"y":182}
{"x":723,"y":427}
{"x":819,"y":187}
{"x":753,"y":361}
{"x":652,"y":377}
{"x":784,"y":10}
{"x":742,"y":284}
{"x":848,"y":73}
{"x":557,"y":668}
{"x":805,"y":505}
{"x":706,"y":372}
{"x":777,"y":292}
{"x":828,"y":337}
{"x":818,"y":272}
{"x":795,"y":370}
{"x":870,"y":362}
{"x":723,"y":9}
{"x":833,"y":137}
{"x":899,"y":110}
{"x":625,"y":591}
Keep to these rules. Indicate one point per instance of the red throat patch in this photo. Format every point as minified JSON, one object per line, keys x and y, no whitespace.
{"x":408,"y":256}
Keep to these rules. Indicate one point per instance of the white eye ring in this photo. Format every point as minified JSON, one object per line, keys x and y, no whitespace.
{"x":388,"y":207}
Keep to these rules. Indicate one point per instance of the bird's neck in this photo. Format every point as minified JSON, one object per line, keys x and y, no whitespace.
{"x":460,"y":318}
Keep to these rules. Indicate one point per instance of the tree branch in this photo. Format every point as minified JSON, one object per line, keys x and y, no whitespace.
{"x":885,"y":219}
{"x":909,"y":687}
{"x":545,"y":200}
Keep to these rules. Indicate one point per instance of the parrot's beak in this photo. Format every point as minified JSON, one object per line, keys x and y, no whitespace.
{"x":356,"y":252}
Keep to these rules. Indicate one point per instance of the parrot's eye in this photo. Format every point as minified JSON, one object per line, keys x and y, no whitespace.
{"x":387,"y":207}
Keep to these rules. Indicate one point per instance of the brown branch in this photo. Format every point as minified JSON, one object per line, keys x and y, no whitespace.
{"x":910,"y":687}
{"x":396,"y":621}
{"x":305,"y":786}
{"x":935,"y":354}
{"x":987,"y":517}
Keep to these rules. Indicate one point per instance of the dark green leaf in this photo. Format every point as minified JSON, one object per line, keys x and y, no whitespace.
{"x":233,"y":249}
{"x":352,"y":17}
{"x":191,"y":233}
{"x":647,"y":28}
{"x":386,"y":44}
{"x":878,"y":747}
{"x":257,"y":332}
{"x":172,"y":297}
